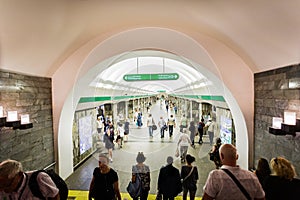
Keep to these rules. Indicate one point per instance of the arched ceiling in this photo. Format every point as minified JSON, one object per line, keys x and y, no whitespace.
{"x":151,"y":62}
{"x":37,"y":36}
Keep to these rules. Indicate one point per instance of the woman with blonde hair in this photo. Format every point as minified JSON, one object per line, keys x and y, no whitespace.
{"x":282,"y":184}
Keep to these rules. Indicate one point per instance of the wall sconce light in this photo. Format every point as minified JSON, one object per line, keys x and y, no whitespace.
{"x":290,"y":126}
{"x":12,"y":120}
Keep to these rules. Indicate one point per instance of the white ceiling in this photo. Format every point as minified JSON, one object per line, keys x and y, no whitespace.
{"x":37,"y":36}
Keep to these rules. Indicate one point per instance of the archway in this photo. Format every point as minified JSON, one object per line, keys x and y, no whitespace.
{"x":103,"y":52}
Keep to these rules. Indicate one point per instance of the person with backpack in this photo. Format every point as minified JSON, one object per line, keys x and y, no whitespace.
{"x":183,"y":123}
{"x":105,"y":182}
{"x":15,"y":183}
{"x":214,"y":153}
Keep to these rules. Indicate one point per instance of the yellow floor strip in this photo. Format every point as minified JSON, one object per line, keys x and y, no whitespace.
{"x":83,"y":195}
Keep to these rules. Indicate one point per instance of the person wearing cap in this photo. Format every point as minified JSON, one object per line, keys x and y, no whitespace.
{"x":105,"y":182}
{"x":169,"y":181}
{"x":143,"y":171}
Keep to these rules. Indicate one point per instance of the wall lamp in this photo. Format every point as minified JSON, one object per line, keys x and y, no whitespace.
{"x":289,"y":126}
{"x":12,"y":120}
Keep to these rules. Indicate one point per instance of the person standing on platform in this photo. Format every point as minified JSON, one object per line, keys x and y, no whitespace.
{"x":200,"y":127}
{"x":150,"y":123}
{"x":171,"y":125}
{"x":211,"y":130}
{"x":263,"y":170}
{"x":162,"y":126}
{"x":139,"y":121}
{"x":183,"y":123}
{"x":189,"y":176}
{"x":215,"y":153}
{"x":120,"y":135}
{"x":108,"y":140}
{"x":169,"y":181}
{"x":100,"y":126}
{"x":143,"y":171}
{"x":219,"y":183}
{"x":126,"y":130}
{"x":192,"y":130}
{"x":282,"y":183}
{"x":183,"y":145}
{"x":105,"y":182}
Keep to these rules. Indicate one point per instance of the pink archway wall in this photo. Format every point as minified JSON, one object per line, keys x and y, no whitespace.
{"x":215,"y":56}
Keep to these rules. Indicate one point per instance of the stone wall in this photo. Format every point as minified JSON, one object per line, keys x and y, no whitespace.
{"x":31,"y":95}
{"x":276,"y":91}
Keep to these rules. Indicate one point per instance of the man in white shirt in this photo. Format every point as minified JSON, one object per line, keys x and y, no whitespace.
{"x":220,"y":186}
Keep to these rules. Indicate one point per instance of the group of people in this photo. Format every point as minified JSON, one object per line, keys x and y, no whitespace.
{"x":171,"y":182}
{"x":112,"y":135}
{"x":232,"y":182}
{"x":271,"y":181}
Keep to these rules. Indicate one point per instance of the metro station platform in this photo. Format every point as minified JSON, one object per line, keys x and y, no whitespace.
{"x":156,"y":151}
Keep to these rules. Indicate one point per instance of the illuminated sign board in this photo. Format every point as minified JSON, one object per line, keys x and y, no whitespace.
{"x":151,"y":77}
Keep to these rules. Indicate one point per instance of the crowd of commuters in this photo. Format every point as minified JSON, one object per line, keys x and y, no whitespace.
{"x":272,"y":180}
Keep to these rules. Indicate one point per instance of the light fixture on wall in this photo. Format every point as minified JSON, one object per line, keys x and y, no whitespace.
{"x":12,"y":120}
{"x":287,"y":126}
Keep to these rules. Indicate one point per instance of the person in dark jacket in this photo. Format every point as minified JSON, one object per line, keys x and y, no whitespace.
{"x":169,"y":183}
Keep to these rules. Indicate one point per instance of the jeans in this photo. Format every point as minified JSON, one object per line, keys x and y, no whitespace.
{"x":162,"y":132}
{"x":170,"y":130}
{"x":150,"y":131}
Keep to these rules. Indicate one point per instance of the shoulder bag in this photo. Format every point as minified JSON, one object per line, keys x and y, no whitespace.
{"x":237,"y":183}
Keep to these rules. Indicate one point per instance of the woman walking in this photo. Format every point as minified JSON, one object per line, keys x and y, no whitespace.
{"x":143,"y":171}
{"x":189,"y":176}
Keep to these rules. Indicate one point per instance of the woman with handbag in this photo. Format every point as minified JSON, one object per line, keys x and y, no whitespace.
{"x":143,"y":171}
{"x":189,"y":176}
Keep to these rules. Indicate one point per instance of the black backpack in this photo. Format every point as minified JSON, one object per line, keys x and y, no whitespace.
{"x":59,"y":182}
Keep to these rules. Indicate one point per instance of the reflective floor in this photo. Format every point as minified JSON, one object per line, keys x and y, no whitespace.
{"x":156,"y":151}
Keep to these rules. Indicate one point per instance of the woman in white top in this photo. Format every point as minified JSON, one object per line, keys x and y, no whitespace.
{"x":183,"y":144}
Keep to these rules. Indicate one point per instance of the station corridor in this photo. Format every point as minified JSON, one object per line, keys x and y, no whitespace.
{"x":156,"y":151}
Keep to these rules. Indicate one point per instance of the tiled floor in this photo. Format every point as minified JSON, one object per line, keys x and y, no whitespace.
{"x":156,"y":151}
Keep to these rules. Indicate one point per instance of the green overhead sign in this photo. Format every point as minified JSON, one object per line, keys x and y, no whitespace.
{"x":151,"y":77}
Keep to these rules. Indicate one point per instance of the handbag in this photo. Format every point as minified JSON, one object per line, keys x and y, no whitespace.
{"x":135,"y":188}
{"x":154,"y":127}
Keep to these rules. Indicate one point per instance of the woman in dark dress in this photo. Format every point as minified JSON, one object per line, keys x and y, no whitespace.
{"x":189,"y":176}
{"x":109,"y":142}
{"x":105,"y":182}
